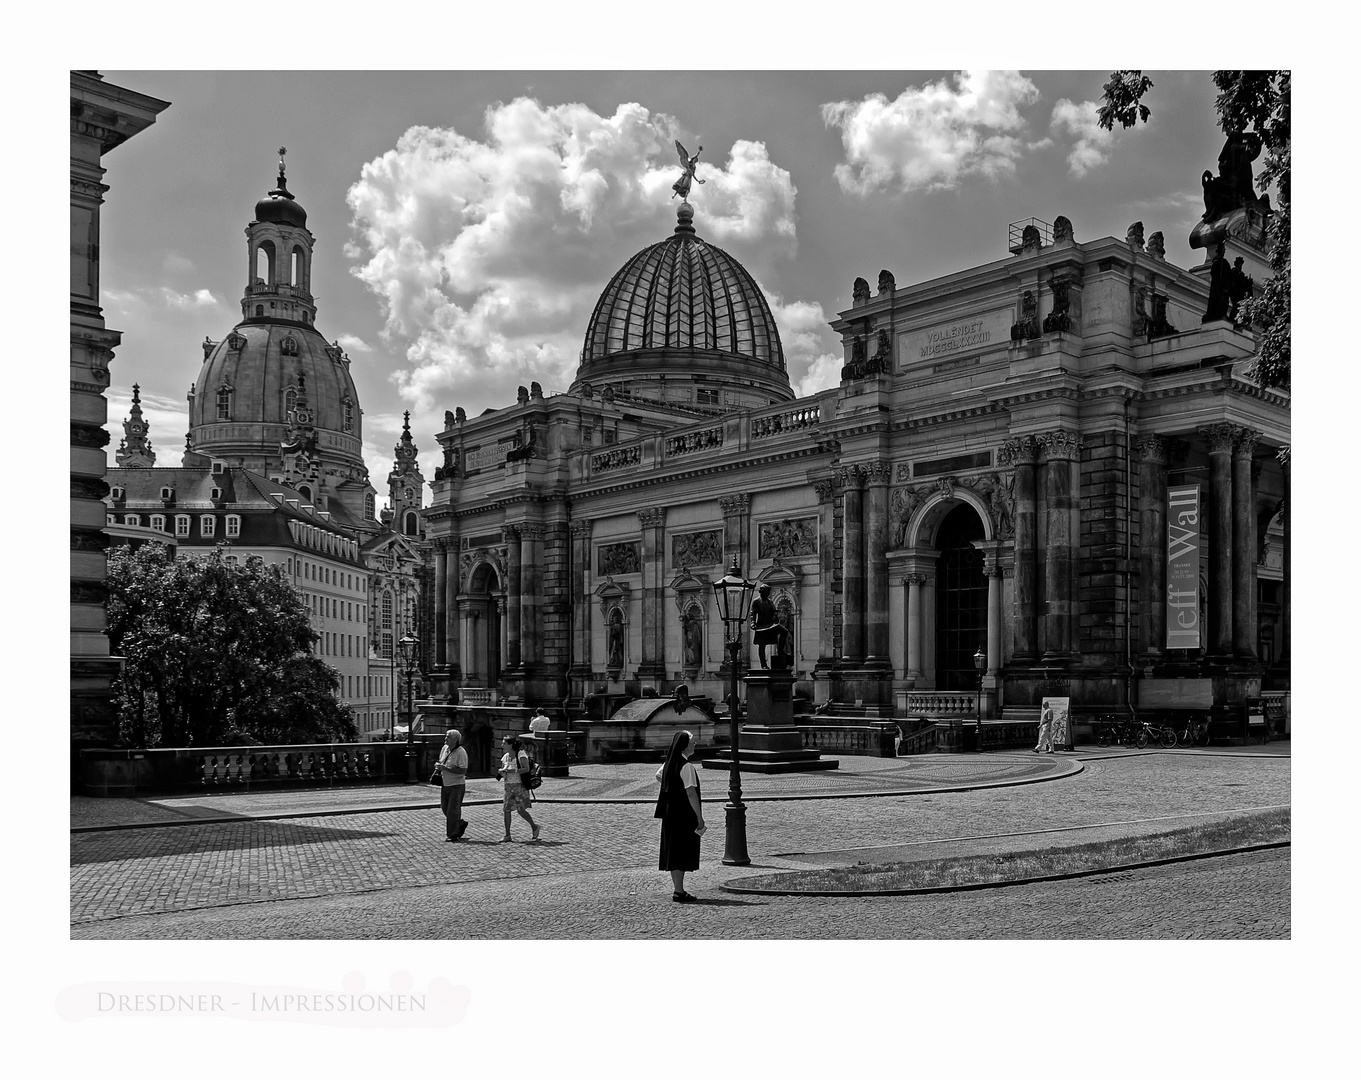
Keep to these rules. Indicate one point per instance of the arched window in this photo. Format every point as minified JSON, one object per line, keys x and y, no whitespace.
{"x":305,"y":492}
{"x":131,"y":519}
{"x":259,"y":311}
{"x":349,"y":415}
{"x":224,"y":403}
{"x":368,"y":506}
{"x":290,"y":402}
{"x":289,"y":346}
{"x":264,"y":263}
{"x":409,"y":523}
{"x":295,"y":267}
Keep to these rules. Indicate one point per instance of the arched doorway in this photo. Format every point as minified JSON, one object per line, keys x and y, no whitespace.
{"x":961,"y":599}
{"x":483,"y":614}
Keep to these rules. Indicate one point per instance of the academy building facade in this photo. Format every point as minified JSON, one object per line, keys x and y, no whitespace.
{"x":1056,"y":459}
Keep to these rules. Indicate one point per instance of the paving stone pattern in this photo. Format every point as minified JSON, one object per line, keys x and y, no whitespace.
{"x":593,"y":873}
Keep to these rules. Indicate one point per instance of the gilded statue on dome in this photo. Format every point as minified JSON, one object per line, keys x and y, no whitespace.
{"x":682,"y":186}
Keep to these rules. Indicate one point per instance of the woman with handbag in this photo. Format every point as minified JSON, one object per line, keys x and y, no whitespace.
{"x":682,"y":815}
{"x":452,"y":769}
{"x":517,"y":797}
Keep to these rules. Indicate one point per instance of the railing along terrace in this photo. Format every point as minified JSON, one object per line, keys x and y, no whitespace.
{"x":875,"y":741}
{"x":691,"y":441}
{"x":222,"y":768}
{"x":763,"y":427}
{"x":950,"y":703}
{"x":619,"y":458}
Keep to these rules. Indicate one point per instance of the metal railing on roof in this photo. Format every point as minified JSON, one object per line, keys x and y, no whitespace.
{"x":1017,"y":228}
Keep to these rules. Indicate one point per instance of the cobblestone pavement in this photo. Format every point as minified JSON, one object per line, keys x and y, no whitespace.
{"x":594,"y":869}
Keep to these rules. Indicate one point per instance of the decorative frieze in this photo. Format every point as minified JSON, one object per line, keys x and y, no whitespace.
{"x":1151,"y":448}
{"x":787,"y":539}
{"x":734,"y":504}
{"x":697,"y":549}
{"x":581,"y":529}
{"x":613,"y":560}
{"x":652,"y":518}
{"x":1061,"y":445}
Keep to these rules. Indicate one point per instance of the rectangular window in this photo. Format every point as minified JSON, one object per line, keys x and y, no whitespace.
{"x":233,"y":524}
{"x":131,"y":519}
{"x":207,"y":525}
{"x":158,"y":522}
{"x":181,"y":524}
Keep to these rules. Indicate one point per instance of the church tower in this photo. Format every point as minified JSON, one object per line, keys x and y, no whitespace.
{"x":406,"y":485}
{"x":134,"y":450}
{"x":274,"y":396}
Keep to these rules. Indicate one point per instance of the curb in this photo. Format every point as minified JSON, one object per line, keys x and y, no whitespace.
{"x":725,"y":887}
{"x":574,"y":801}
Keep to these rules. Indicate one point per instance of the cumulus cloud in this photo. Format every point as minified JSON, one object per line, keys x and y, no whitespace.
{"x":934,"y":135}
{"x":1092,"y":143}
{"x":352,"y":343}
{"x":488,"y":254}
{"x":811,"y":349}
{"x":162,"y":296}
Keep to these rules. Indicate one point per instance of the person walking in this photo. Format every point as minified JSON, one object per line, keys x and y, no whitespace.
{"x":1046,"y":742}
{"x":679,"y":807}
{"x":516,"y":797}
{"x":453,"y":770}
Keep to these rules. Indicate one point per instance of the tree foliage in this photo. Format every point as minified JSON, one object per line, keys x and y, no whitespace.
{"x":1247,"y":101}
{"x":217,"y":653}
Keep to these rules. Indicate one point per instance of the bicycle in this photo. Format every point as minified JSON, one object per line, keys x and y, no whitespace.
{"x":1113,"y":729}
{"x":1161,"y":734}
{"x":1196,"y":733}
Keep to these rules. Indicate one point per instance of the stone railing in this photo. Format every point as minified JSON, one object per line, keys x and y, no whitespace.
{"x":620,"y":458}
{"x":125,"y":773}
{"x":950,"y":703}
{"x":865,"y":741}
{"x":763,"y":427}
{"x":692,"y":441}
{"x":475,"y":695}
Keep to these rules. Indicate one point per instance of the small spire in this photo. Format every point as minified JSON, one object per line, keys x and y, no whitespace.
{"x":685,"y":220}
{"x":281,"y":188}
{"x":406,"y":424}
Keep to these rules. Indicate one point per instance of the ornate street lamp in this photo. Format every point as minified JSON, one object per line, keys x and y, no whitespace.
{"x":733,"y":593}
{"x":980,"y":662}
{"x":406,"y":649}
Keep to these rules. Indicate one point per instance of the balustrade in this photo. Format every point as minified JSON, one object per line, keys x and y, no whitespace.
{"x":952,"y":703}
{"x":693,"y":441}
{"x":763,"y":427}
{"x":620,"y":458}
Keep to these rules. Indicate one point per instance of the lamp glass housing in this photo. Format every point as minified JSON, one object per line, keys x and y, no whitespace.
{"x":733,"y":592}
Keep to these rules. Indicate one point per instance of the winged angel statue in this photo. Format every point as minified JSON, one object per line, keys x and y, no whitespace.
{"x":682,"y":186}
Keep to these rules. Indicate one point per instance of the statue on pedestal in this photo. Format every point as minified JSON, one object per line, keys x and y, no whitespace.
{"x":766,"y":629}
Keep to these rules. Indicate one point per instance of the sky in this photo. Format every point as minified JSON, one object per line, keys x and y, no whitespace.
{"x":466,"y":221}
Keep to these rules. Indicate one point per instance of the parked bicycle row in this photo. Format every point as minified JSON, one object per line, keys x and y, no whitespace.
{"x":1114,"y":730}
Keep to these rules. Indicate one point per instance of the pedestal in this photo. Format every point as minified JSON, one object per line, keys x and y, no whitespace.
{"x":769,"y":742}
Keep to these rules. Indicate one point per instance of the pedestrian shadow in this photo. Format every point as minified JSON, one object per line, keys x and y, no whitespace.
{"x":247,"y":834}
{"x":715,"y":901}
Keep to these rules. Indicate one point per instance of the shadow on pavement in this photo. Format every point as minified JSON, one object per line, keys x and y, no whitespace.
{"x":87,"y":848}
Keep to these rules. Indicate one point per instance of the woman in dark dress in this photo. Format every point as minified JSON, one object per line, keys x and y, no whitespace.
{"x":682,"y":816}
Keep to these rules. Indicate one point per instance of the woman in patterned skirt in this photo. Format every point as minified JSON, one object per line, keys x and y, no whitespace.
{"x":517,"y":797}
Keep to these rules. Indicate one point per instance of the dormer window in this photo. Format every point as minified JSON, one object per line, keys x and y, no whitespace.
{"x":215,"y":494}
{"x":167,"y":494}
{"x":116,"y":493}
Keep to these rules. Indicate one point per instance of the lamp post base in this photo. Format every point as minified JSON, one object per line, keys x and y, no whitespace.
{"x":411,"y":766}
{"x":735,"y":836}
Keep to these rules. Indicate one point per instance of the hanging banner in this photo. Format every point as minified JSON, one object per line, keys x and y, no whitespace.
{"x":1183,"y":567}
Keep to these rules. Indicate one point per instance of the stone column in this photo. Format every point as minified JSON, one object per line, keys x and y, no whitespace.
{"x":826,"y":492}
{"x":1152,"y":452}
{"x":1023,"y":454}
{"x":877,"y":475}
{"x":1284,"y":660}
{"x":503,"y":607}
{"x":1061,"y":450}
{"x":510,"y":621}
{"x":852,"y":567}
{"x":581,"y":591}
{"x":653,"y":665}
{"x":531,"y":594}
{"x":1221,"y":438}
{"x":1244,"y":546}
{"x":453,"y":651}
{"x":441,"y":577}
{"x":994,"y":574}
{"x":914,"y":626}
